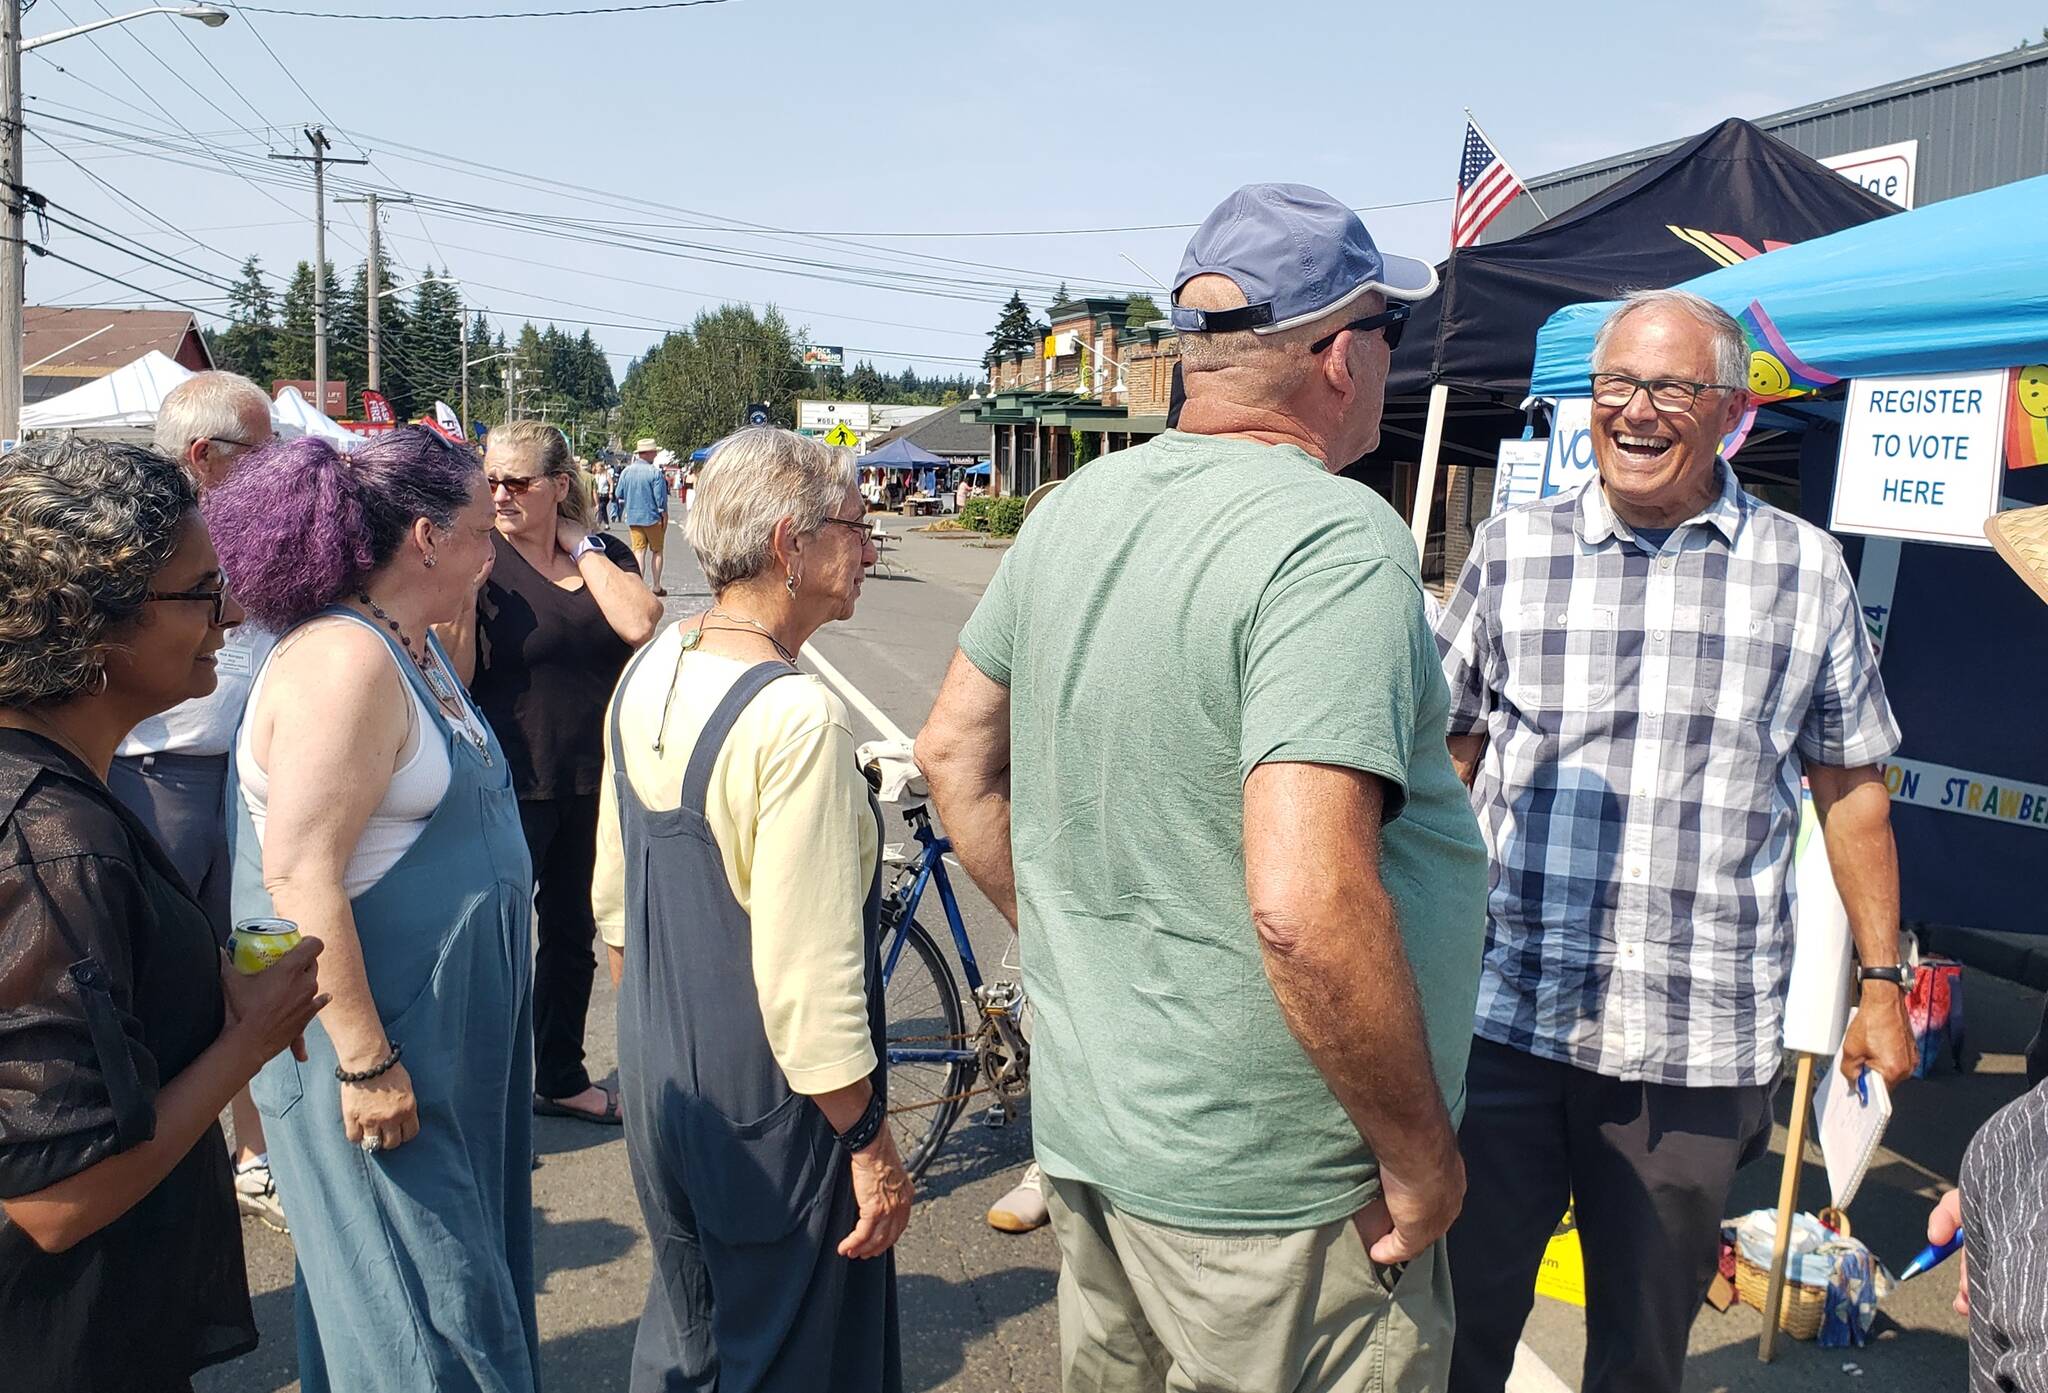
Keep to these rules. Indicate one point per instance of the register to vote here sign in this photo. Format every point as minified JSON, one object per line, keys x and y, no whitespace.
{"x":1922,"y":457}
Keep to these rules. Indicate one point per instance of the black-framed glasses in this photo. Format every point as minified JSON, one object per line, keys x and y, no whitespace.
{"x":866,"y":529}
{"x":1390,"y":319}
{"x":216,"y":597}
{"x":1670,"y":395}
{"x":240,"y":444}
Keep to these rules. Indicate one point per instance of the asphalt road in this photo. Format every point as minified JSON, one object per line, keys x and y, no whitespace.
{"x":977,"y":1306}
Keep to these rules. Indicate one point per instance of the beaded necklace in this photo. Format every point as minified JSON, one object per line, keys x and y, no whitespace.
{"x":437,"y":680}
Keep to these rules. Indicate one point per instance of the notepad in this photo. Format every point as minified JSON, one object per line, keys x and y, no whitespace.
{"x":1849,"y":1125}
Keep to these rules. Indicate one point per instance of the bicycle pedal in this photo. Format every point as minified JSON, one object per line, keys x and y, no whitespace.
{"x":997,"y":1116}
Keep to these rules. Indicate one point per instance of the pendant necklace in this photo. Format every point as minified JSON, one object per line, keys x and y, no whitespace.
{"x":437,"y":681}
{"x":690,"y":641}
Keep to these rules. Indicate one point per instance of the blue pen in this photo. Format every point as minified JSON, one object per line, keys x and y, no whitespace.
{"x":1933,"y":1255}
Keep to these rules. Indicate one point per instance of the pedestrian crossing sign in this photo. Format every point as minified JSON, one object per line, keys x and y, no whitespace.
{"x":1563,"y":1273}
{"x":841,"y":434}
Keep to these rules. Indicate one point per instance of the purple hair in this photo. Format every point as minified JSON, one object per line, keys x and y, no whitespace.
{"x":299,"y":525}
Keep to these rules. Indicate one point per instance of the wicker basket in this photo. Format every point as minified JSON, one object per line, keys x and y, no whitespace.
{"x":1802,"y":1306}
{"x":2021,"y":537}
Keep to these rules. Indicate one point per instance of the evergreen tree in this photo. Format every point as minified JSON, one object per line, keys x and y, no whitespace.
{"x":1015,"y":332}
{"x":865,"y":384}
{"x":1140,"y":310}
{"x":249,"y":343}
{"x":292,"y":357}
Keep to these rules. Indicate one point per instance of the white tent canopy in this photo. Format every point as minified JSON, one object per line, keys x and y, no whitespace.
{"x":126,"y":398}
{"x":295,"y":416}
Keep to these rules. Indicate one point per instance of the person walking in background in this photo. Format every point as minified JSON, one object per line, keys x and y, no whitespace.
{"x":739,"y":888}
{"x":122,"y":1037}
{"x":374,"y":808}
{"x":601,"y":487}
{"x":1251,"y":898}
{"x":1640,"y":671}
{"x":642,"y":494}
{"x":172,"y":769}
{"x":563,"y":610}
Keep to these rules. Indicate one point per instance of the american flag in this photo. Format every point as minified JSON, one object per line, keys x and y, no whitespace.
{"x":1485,"y":186}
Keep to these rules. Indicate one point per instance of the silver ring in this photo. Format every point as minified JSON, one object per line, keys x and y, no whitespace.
{"x":372,"y":1144}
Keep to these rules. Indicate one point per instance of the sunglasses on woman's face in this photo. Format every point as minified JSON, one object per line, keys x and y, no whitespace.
{"x":514,"y":484}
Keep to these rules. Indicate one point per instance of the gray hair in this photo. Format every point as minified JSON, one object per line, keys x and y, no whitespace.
{"x":756,"y":477}
{"x":85,"y":525}
{"x":1731,"y":349}
{"x":207,"y":406}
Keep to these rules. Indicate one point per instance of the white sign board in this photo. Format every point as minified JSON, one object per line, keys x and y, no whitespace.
{"x":1518,"y":472}
{"x":817,"y":417}
{"x":1922,"y":457}
{"x":1885,"y":170}
{"x":1569,"y":460}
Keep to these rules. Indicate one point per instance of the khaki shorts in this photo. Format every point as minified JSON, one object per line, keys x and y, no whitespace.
{"x":652,"y":537}
{"x":1148,"y":1308}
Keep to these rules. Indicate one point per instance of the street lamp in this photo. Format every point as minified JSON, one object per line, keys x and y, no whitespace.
{"x":12,"y":46}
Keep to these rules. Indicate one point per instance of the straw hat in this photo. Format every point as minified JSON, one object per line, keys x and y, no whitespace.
{"x":646,"y":443}
{"x":2021,"y":537}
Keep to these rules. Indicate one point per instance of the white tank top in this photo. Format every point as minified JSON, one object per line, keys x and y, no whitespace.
{"x":417,"y":787}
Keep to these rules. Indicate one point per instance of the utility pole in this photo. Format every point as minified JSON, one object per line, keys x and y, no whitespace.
{"x":465,"y":372}
{"x":375,"y":273}
{"x":12,"y":196}
{"x":319,"y":159}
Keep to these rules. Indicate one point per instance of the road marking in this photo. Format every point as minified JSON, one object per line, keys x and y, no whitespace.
{"x":1532,"y":1375}
{"x":855,"y":697}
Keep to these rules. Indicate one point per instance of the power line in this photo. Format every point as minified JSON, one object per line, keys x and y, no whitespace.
{"x":644,"y":7}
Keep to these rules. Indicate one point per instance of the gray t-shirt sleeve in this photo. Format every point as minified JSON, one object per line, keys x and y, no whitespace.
{"x":989,"y":638}
{"x":1334,"y":665}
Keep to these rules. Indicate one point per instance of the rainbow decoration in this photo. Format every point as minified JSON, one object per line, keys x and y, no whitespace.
{"x":2026,"y":417}
{"x":1776,"y":373}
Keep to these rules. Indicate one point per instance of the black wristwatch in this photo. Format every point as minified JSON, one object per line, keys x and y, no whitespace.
{"x":1900,"y":974}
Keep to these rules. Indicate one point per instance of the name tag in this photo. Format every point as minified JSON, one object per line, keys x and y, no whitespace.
{"x":233,"y":660}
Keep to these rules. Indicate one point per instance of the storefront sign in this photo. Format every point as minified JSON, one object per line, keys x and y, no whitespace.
{"x":1922,"y":457}
{"x":1569,"y":461}
{"x":1885,"y":170}
{"x":2015,"y":802}
{"x":1518,"y":472}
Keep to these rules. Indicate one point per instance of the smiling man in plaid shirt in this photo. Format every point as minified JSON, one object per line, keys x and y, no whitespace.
{"x":1640,"y":672}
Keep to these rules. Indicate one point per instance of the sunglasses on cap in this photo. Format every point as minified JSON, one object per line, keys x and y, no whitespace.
{"x":1390,"y":319}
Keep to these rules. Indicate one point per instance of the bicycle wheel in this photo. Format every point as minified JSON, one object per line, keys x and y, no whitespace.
{"x":922,"y":1005}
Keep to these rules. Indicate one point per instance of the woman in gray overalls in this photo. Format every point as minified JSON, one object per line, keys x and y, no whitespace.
{"x":737,"y":884}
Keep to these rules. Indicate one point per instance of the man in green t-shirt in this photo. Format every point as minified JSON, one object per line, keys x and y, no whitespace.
{"x":1193,"y":745}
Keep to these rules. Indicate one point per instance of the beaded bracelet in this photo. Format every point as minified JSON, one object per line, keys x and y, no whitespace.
{"x":864,"y":1131}
{"x":365,"y":1075}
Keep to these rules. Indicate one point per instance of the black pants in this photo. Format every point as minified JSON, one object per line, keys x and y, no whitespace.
{"x":561,"y":835}
{"x":1650,"y":1167}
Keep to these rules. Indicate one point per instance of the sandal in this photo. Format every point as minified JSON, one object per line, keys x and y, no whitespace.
{"x":610,"y":1117}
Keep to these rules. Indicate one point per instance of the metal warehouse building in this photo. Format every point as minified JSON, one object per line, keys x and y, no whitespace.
{"x":1974,"y":126}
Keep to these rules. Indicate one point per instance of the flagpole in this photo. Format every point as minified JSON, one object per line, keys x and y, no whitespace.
{"x":1527,"y":192}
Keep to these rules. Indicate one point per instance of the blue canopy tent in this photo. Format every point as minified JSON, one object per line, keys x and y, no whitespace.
{"x":1952,"y":287}
{"x":699,"y":456}
{"x":901,"y":454}
{"x":976,"y":471}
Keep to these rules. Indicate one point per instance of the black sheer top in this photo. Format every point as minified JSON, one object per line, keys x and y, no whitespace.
{"x":109,"y":988}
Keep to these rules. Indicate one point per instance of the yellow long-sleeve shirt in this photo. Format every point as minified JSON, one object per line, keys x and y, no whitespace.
{"x":789,"y":812}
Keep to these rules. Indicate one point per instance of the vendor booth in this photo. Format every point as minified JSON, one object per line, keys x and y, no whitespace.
{"x":295,"y":416}
{"x":1923,"y":341}
{"x":121,"y":405}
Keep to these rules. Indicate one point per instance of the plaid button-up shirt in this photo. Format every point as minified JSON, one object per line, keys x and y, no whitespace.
{"x":1648,"y":711}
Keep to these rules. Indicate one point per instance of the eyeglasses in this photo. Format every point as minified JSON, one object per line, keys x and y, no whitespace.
{"x":1390,"y":319}
{"x":1672,"y":396}
{"x":217,"y":597}
{"x":866,"y":529}
{"x":515,"y":484}
{"x":240,"y":444}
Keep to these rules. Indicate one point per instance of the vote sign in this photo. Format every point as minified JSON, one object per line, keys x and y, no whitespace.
{"x":1922,"y":457}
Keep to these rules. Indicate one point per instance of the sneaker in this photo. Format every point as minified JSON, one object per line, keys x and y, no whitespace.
{"x":1023,"y":1209}
{"x":256,"y":1194}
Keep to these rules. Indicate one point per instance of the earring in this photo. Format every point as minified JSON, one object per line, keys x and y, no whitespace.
{"x":791,"y":584}
{"x":428,"y":561}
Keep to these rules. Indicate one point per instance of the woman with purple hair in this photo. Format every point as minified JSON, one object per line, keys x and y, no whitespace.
{"x":374,"y":808}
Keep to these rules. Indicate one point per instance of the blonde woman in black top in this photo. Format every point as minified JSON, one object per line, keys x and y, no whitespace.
{"x":564,"y":609}
{"x":121,"y":1037}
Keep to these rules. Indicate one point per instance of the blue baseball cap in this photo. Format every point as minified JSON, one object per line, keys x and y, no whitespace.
{"x":1297,"y":254}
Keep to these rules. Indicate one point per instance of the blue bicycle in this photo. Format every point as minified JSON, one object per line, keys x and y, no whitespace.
{"x":934,"y":1059}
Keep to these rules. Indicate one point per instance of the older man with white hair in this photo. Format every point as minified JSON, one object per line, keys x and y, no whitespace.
{"x":171,"y":771}
{"x":1193,"y":746}
{"x":1640,"y":673}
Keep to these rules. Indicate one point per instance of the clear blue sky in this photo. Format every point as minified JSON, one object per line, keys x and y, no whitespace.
{"x":868,"y":118}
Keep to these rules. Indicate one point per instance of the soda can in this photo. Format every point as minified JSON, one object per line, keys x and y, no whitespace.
{"x":255,"y":944}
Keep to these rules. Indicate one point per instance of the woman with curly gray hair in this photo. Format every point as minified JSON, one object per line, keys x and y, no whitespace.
{"x":121,"y":1037}
{"x":738,"y":887}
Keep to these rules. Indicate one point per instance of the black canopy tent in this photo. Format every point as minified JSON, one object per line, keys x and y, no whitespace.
{"x":1465,"y":358}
